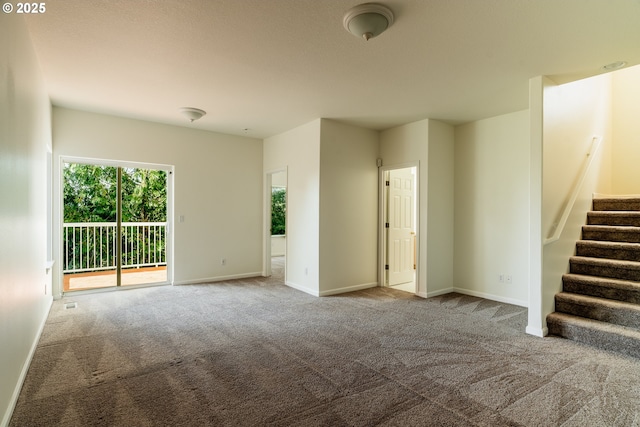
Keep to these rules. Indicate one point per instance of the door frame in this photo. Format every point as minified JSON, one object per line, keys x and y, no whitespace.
{"x":382,"y":235}
{"x":268,"y":181}
{"x":124,"y":164}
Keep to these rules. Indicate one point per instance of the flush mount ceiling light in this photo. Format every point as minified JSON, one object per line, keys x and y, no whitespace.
{"x":192,"y":113}
{"x":614,"y":66}
{"x":368,"y":20}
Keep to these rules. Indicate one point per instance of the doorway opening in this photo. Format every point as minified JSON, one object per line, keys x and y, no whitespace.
{"x":275,"y":249}
{"x":399,"y":225}
{"x":115,"y":225}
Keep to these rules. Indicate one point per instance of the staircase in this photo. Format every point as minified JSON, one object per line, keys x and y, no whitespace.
{"x":600,"y":301}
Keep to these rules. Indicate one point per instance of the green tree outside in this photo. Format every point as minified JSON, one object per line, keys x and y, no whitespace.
{"x":90,"y":194}
{"x":278,"y":210}
{"x":144,"y":195}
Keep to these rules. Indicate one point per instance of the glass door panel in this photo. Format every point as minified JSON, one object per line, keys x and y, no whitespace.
{"x":144,"y":226}
{"x":89,"y":227}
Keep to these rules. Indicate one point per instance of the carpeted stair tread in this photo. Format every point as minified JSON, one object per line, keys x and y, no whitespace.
{"x":611,"y":233}
{"x":615,"y":289}
{"x":616,"y":218}
{"x":610,"y":250}
{"x":602,"y":309}
{"x":600,"y":302}
{"x":616,"y":204}
{"x":616,"y":269}
{"x":595,"y":333}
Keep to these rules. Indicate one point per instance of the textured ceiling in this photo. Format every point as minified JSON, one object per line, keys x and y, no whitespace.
{"x":272,"y":65}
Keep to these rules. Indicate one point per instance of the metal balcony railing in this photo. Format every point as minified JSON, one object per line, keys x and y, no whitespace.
{"x":91,"y":246}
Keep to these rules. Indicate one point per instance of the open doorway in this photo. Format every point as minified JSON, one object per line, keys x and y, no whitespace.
{"x":115,"y":225}
{"x":399,"y":225}
{"x":276,"y":225}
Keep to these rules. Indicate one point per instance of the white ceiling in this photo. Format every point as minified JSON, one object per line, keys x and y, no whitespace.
{"x":272,"y":65}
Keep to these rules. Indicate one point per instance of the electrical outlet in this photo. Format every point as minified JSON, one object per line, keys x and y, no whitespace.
{"x":509,"y":279}
{"x":223,"y":261}
{"x":501,"y":278}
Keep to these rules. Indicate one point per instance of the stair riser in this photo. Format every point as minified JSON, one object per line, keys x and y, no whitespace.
{"x":617,"y":316}
{"x":595,"y":218}
{"x":604,"y":271}
{"x":602,"y":291}
{"x":628,"y":236}
{"x":616,"y":204}
{"x":594,"y":338}
{"x":625,"y":254}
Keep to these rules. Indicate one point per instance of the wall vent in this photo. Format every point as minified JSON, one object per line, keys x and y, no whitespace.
{"x":69,"y":305}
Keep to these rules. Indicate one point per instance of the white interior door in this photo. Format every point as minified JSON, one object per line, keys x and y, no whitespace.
{"x":401,"y":230}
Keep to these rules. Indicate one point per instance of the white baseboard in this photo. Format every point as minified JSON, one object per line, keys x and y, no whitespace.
{"x":492,"y":297}
{"x":25,"y":368}
{"x":349,"y":289}
{"x":344,"y":290}
{"x":474,"y":294}
{"x":218,"y":278}
{"x":436,"y":293}
{"x":538,"y":332}
{"x":302,"y":288}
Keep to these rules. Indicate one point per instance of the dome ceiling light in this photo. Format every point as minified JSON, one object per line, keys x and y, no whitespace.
{"x":191,"y":113}
{"x":614,"y":66}
{"x":368,"y":20}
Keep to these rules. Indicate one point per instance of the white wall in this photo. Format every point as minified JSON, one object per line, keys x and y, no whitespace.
{"x":217,"y":186}
{"x":25,"y":135}
{"x":278,"y":245}
{"x":492,"y":208}
{"x":535,"y":321}
{"x":298,"y":150}
{"x":626,"y":131}
{"x":348,"y":208}
{"x":572,"y":114}
{"x":279,"y":179}
{"x":440,"y":207}
{"x":413,"y":143}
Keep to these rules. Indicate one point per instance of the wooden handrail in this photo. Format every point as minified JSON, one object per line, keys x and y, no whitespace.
{"x":559,"y":227}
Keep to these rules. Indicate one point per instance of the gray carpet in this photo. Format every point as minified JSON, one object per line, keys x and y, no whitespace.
{"x":255,"y":352}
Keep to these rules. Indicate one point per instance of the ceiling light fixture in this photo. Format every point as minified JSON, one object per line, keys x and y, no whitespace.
{"x":614,"y":66}
{"x":191,"y":113}
{"x":368,"y":20}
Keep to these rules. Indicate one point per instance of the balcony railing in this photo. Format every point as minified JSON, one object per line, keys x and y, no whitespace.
{"x":91,"y":246}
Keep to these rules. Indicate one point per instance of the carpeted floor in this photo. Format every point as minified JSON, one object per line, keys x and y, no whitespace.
{"x":255,"y":352}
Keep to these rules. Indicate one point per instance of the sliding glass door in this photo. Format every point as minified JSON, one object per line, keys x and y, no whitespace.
{"x":114,"y":227}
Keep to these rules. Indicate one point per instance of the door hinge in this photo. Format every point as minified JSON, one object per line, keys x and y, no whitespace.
{"x":386,"y":225}
{"x":386,"y":266}
{"x":386,"y":183}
